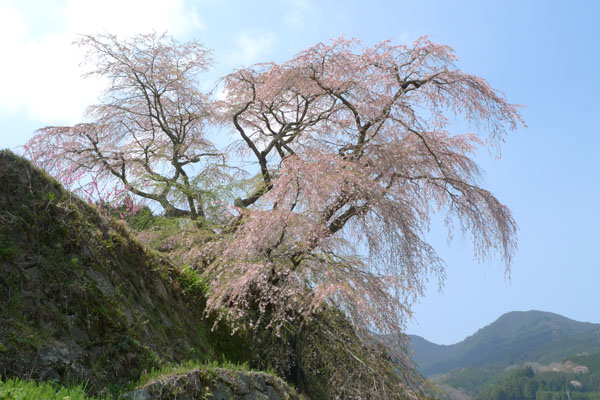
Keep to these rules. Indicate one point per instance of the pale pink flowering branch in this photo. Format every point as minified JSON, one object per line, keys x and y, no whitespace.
{"x":354,"y":151}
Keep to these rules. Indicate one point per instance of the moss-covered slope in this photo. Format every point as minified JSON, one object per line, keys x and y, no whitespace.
{"x":81,"y":300}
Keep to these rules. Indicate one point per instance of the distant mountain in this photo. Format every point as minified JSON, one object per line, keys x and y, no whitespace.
{"x":512,"y":339}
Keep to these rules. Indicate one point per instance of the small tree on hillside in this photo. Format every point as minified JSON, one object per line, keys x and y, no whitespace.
{"x":354,"y":151}
{"x":147,"y":134}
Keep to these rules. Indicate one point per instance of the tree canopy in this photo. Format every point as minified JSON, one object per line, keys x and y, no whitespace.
{"x":353,"y":148}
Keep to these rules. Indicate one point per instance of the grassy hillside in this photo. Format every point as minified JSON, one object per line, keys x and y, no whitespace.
{"x":514,"y":338}
{"x":85,"y":302}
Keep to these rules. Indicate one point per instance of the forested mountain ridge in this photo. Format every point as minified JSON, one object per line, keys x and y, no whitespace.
{"x":578,"y":377}
{"x":514,"y":338}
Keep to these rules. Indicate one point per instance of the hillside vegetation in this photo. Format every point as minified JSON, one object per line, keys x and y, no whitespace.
{"x":577,"y":378}
{"x":86,"y":303}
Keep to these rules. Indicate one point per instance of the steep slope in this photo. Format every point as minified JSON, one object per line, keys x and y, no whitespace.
{"x":513,"y":338}
{"x":84,"y":302}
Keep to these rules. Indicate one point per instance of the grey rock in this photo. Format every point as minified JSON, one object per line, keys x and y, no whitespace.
{"x":221,"y":391}
{"x":61,"y":353}
{"x":258,"y":382}
{"x":128,"y":316}
{"x":32,"y":274}
{"x":102,"y":282}
{"x":140,"y":394}
{"x":161,"y":290}
{"x":79,"y":335}
{"x":243,"y":383}
{"x":272,"y":393}
{"x":50,"y":374}
{"x":256,"y":395}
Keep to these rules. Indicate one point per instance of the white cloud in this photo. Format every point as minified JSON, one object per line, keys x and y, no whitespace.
{"x":12,"y":34}
{"x":127,"y":17}
{"x":407,"y":38}
{"x":252,"y":47}
{"x":300,"y":11}
{"x":40,"y":72}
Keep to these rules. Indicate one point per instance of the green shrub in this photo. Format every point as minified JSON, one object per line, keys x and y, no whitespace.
{"x":17,"y":389}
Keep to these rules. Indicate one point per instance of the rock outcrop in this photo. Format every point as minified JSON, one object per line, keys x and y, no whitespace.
{"x":215,"y":384}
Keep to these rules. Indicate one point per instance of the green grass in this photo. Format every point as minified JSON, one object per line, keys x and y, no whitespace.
{"x":17,"y":389}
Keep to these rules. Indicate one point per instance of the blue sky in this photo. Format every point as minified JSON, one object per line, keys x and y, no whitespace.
{"x":542,"y":54}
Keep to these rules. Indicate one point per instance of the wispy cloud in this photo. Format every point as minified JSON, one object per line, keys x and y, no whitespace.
{"x":299,"y":12}
{"x":252,"y":47}
{"x":41,"y":71}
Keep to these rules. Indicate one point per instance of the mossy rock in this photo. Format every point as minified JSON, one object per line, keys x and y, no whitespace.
{"x":215,"y":384}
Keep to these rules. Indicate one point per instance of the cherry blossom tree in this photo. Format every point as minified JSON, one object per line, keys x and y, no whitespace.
{"x":355,"y":151}
{"x":147,"y":134}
